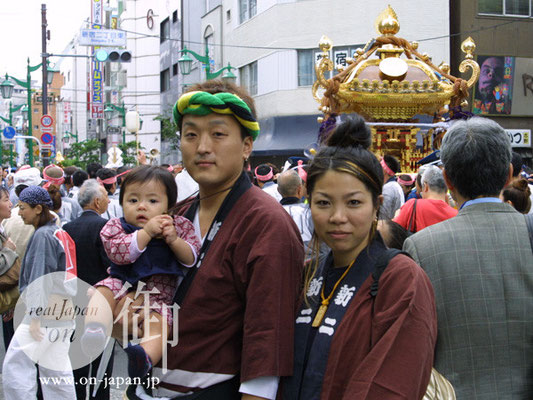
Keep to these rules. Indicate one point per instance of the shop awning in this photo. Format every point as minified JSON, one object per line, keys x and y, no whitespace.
{"x":287,"y":135}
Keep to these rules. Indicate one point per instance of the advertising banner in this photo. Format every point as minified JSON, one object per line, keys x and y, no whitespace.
{"x":97,"y":81}
{"x":505,"y":86}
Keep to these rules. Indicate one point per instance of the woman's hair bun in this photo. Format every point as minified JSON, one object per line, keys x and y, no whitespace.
{"x":520,"y":184}
{"x":351,"y":133}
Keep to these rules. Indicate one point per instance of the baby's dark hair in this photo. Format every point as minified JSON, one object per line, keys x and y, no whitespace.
{"x":147,"y":173}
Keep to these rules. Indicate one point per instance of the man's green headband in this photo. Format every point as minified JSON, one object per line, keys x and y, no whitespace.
{"x":203,"y":103}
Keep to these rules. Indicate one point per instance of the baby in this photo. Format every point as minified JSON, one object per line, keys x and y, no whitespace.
{"x":146,"y":245}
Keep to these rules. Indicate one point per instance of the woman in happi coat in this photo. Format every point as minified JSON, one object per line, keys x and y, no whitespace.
{"x":47,"y":285}
{"x":354,"y":340}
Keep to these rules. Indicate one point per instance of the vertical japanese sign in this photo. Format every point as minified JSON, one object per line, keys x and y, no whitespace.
{"x":97,"y":86}
{"x":66,"y":113}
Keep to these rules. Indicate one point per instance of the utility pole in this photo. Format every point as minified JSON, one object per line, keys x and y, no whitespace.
{"x":44,"y":35}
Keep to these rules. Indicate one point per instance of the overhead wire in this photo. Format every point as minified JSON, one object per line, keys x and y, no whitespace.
{"x":472,"y":31}
{"x":481,"y":29}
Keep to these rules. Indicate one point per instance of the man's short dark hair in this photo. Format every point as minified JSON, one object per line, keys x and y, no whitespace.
{"x":106,"y":173}
{"x":476,"y":154}
{"x":263,"y":170}
{"x":79,"y":177}
{"x":119,"y":171}
{"x":20,"y":188}
{"x":92,"y":168}
{"x":68,"y":172}
{"x":393,"y":163}
{"x":516,"y":160}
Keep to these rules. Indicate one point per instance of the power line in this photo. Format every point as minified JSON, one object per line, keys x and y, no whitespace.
{"x":154,"y":92}
{"x":467,"y":32}
{"x":301,"y":48}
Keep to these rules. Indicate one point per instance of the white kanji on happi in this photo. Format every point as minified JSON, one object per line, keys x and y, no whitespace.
{"x":314,"y":287}
{"x":344,"y":295}
{"x":214,"y":231}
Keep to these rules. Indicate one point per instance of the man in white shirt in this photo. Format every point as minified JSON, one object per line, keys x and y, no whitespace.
{"x":291,"y":188}
{"x":393,"y":197}
{"x":264,"y":174}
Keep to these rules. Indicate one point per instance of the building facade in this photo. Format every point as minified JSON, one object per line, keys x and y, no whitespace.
{"x":72,"y":113}
{"x":274,"y":46}
{"x":139,"y":19}
{"x":501,"y":30}
{"x":131,"y":85}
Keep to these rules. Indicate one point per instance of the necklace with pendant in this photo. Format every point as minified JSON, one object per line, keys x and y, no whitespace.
{"x":325,"y":300}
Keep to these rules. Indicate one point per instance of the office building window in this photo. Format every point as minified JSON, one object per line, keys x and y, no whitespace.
{"x":165,"y":80}
{"x":505,"y":7}
{"x":164,"y":33}
{"x":175,"y":16}
{"x":248,"y":75}
{"x":175,"y":69}
{"x":307,"y":59}
{"x":247,"y":9}
{"x":209,"y":39}
{"x":306,"y":73}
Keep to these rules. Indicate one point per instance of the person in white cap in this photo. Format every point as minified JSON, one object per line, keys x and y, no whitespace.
{"x":25,"y":175}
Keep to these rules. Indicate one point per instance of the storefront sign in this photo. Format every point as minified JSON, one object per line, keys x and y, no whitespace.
{"x":519,"y":137}
{"x":102,"y":37}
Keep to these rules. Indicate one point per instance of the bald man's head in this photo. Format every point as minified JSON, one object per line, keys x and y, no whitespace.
{"x":289,"y":184}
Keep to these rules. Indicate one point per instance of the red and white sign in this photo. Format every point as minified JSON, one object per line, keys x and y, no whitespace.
{"x":47,"y":129}
{"x":66,"y":113}
{"x":47,"y":120}
{"x":97,"y":111}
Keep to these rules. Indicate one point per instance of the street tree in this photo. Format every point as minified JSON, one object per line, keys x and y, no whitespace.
{"x":82,"y":153}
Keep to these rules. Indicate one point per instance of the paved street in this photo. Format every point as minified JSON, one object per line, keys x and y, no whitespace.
{"x":119,"y":369}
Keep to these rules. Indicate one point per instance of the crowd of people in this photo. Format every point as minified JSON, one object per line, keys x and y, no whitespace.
{"x":335,"y":277}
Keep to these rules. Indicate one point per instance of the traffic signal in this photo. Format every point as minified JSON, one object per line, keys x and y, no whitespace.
{"x":113,"y":55}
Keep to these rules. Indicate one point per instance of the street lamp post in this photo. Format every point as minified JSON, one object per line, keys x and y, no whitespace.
{"x":69,"y":135}
{"x":110,"y":109}
{"x":7,"y":91}
{"x":9,"y":121}
{"x":185,"y":65}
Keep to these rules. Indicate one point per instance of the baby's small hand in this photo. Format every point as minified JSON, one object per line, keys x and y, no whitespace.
{"x":169,"y":232}
{"x":154,"y":226}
